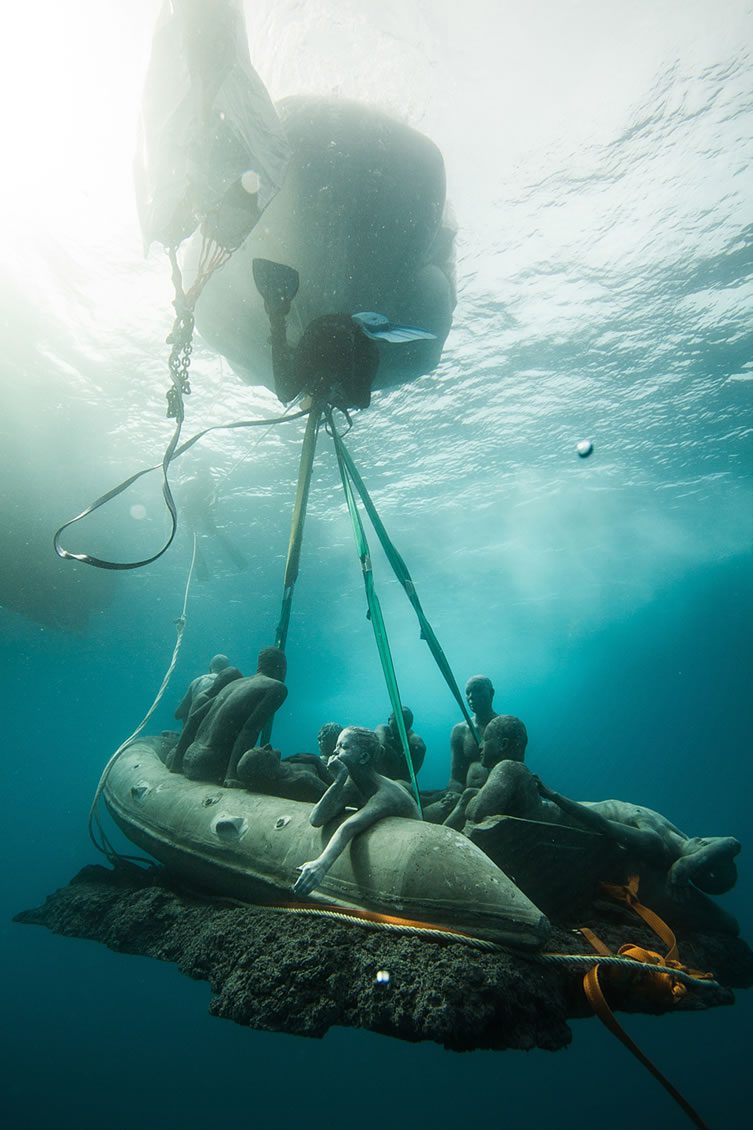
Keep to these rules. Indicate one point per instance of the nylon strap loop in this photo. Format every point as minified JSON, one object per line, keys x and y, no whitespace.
{"x":170,"y":456}
{"x":629,"y":895}
{"x":663,"y":983}
{"x":596,"y":999}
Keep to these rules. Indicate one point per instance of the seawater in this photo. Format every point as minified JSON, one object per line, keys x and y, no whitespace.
{"x":600,"y":164}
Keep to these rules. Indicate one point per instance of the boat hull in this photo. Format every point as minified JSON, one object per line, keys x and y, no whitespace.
{"x":361,"y":217}
{"x":250,"y":847}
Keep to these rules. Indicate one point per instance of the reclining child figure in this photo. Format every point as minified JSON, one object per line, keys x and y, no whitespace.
{"x":358,"y":784}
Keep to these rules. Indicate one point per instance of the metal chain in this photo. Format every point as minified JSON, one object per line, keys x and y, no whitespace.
{"x":181,"y":339}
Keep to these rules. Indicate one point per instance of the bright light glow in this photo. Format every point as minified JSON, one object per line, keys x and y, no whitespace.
{"x":70,"y":82}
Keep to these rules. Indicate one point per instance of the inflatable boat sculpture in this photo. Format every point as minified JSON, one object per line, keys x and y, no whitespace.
{"x":250,"y":846}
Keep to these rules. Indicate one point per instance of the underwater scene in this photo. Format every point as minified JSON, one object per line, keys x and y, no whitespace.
{"x":343,"y":740}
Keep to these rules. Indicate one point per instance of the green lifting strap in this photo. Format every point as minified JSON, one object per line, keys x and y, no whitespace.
{"x":293,"y":561}
{"x":375,"y":615}
{"x":401,"y":572}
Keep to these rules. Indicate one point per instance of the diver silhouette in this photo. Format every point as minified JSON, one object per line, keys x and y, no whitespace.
{"x":337,"y":357}
{"x":197,"y":500}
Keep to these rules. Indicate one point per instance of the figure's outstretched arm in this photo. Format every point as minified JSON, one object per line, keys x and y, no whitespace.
{"x":642,"y":842}
{"x":590,"y":819}
{"x":314,"y":871}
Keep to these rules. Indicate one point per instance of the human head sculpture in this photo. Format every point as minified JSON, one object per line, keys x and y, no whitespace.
{"x":218,"y":663}
{"x":720,"y":874}
{"x":327,"y":738}
{"x":505,"y":739}
{"x":407,"y":720}
{"x":261,"y":767}
{"x":358,"y":746}
{"x":480,"y":694}
{"x":272,"y":662}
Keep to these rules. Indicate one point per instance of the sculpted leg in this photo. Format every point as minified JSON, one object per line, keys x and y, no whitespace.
{"x":437,"y":811}
{"x":204,"y":763}
{"x":262,"y":706}
{"x":457,"y":818}
{"x":188,"y":736}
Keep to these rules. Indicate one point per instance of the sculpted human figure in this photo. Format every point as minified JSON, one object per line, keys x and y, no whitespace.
{"x":326,"y":739}
{"x":295,"y":785}
{"x":199,"y":685}
{"x":198,"y":712}
{"x":356,"y":783}
{"x":220,"y":730}
{"x":706,"y":861}
{"x":337,"y":356}
{"x":392,"y":761}
{"x":335,"y":360}
{"x":512,"y":790}
{"x":505,"y":739}
{"x":463,"y":748}
{"x":197,"y":498}
{"x":263,"y":770}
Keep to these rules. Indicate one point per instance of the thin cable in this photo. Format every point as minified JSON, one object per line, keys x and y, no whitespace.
{"x":442,"y":933}
{"x":105,"y":847}
{"x":624,"y":962}
{"x":262,"y":435}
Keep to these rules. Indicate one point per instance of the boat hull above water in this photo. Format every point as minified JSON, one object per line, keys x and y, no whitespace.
{"x":249,"y":846}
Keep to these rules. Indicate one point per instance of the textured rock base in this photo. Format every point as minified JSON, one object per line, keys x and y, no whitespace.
{"x":279,"y":971}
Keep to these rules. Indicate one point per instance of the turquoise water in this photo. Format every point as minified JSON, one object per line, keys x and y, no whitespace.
{"x":600,"y":166}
